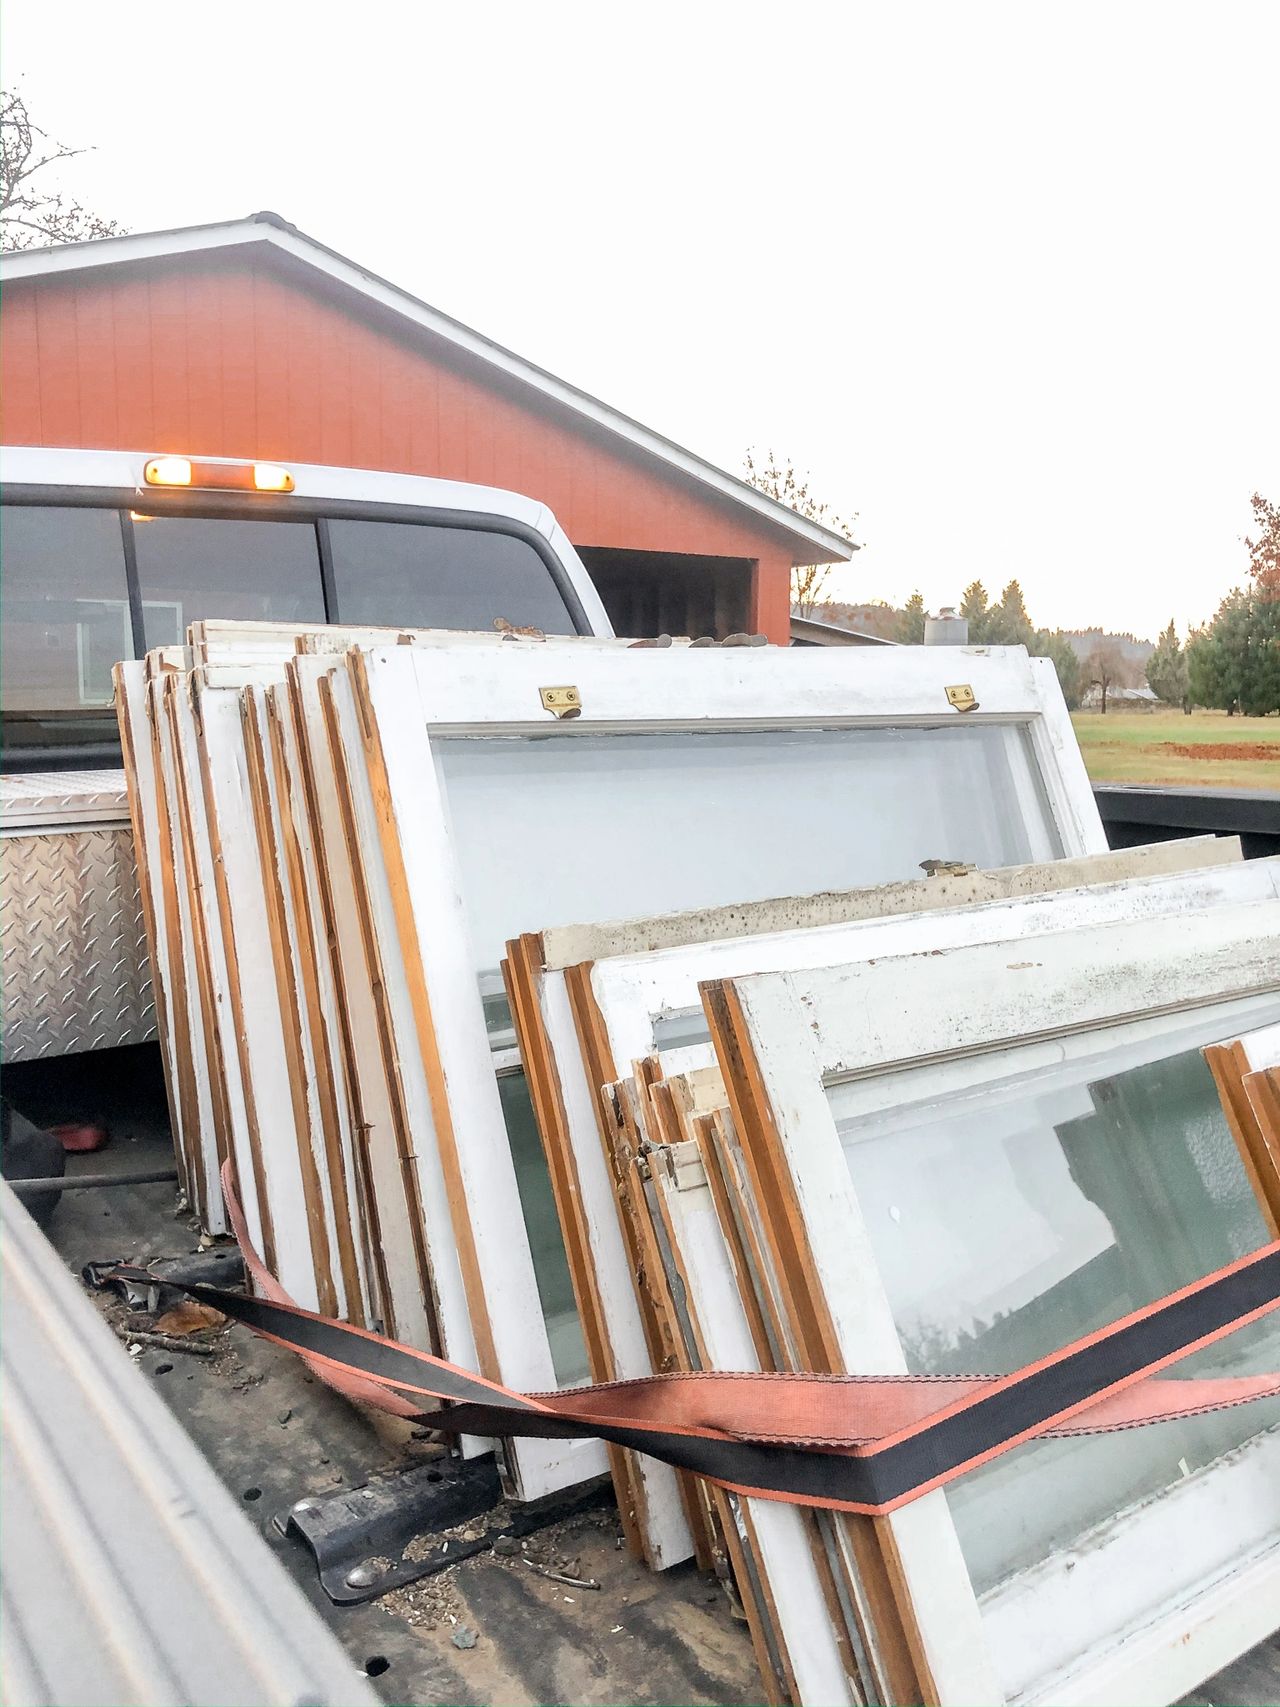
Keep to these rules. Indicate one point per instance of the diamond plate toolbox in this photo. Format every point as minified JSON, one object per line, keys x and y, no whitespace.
{"x":73,"y":949}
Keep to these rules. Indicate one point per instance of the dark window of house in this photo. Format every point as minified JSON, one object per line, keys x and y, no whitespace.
{"x":64,"y":607}
{"x":192,"y":567}
{"x":419,"y":575}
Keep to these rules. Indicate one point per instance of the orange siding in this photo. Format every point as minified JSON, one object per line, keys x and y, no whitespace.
{"x":226,"y":357}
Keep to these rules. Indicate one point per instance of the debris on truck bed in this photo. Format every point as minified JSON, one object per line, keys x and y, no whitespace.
{"x":578,"y":1013}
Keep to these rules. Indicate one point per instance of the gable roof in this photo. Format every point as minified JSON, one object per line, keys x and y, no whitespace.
{"x":811,"y":541}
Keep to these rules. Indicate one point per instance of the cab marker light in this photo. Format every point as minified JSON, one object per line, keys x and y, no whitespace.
{"x":168,"y":471}
{"x":220,"y":475}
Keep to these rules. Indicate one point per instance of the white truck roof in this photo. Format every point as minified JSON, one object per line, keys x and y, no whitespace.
{"x":122,"y":470}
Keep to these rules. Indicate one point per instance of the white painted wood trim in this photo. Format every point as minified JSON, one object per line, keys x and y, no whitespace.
{"x":1132,"y":1575}
{"x":410,"y":694}
{"x":633,"y":990}
{"x":154,"y":860}
{"x":311,"y":921}
{"x":467,"y":689}
{"x":783,"y":1554}
{"x":1175,"y":1654}
{"x":351,"y":975}
{"x":933,"y":1566}
{"x":455,"y":1319}
{"x":258,"y":1025}
{"x":868,"y":1017}
{"x":667,"y":1536}
{"x":570,"y":945}
{"x":184,"y":754}
{"x":418,"y":838}
{"x":803,"y":1026}
{"x":1261,"y":1048}
{"x":308,"y":1121}
{"x":191,"y":925}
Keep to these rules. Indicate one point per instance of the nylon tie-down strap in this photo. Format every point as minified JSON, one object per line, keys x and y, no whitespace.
{"x":864,"y":1444}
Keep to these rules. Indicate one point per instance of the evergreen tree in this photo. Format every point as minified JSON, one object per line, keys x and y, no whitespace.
{"x":911,"y":621}
{"x":1212,"y":663}
{"x":975,"y":608}
{"x":1167,"y":669}
{"x":1234,"y":664}
{"x":1055,"y":646}
{"x":1008,"y":624}
{"x":1261,"y":695}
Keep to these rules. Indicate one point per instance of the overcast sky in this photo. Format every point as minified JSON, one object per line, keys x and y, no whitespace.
{"x":1003,"y":278}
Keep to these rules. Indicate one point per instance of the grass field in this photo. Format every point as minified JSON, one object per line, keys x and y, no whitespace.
{"x":1206,"y":750}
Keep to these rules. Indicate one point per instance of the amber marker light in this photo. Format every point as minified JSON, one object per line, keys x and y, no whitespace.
{"x":223,"y":475}
{"x":168,"y":471}
{"x":270,"y":477}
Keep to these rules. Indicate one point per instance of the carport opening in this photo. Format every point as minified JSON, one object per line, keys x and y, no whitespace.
{"x":672,"y":592}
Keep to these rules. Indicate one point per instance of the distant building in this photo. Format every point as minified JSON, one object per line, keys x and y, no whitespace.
{"x":1132,"y":699}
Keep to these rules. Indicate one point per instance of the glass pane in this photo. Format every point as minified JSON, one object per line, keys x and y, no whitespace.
{"x":64,"y":621}
{"x":196,"y":567}
{"x":576,"y":829}
{"x":550,"y":1265}
{"x":671,"y":821}
{"x":438,"y":577}
{"x":1012,"y":1219}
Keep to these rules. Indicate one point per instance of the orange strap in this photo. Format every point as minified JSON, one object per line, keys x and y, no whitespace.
{"x":851,"y":1443}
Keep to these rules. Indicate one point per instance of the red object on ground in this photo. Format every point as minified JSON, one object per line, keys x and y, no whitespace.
{"x":77,"y":1138}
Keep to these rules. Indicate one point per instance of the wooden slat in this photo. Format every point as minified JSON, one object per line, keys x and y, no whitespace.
{"x":879,"y":1566}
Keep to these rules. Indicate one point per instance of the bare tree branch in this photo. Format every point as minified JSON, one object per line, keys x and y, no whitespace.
{"x":780,"y":480}
{"x":30,"y":215}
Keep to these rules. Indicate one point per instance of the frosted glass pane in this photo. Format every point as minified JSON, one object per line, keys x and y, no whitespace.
{"x":577,"y":829}
{"x":1010,"y":1220}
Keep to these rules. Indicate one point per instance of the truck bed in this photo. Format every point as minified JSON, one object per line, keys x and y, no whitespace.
{"x":275,"y":1436}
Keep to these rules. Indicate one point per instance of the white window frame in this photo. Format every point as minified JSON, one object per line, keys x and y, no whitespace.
{"x":627,"y":994}
{"x":960,"y":1014}
{"x":160,"y":896}
{"x":776,"y":1534}
{"x":410,"y":696}
{"x":403,"y":1267}
{"x":270,"y":1127}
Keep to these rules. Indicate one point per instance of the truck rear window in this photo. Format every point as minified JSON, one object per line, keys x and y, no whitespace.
{"x":65,"y":616}
{"x":442,"y":577}
{"x":193,"y":567}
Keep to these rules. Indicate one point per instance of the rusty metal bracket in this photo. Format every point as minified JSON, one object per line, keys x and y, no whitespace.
{"x":362,"y":1539}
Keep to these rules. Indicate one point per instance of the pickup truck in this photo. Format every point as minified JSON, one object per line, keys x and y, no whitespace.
{"x":107,"y":554}
{"x":110,"y":553}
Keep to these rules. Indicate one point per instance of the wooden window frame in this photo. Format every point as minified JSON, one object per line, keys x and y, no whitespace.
{"x":592,"y":1020}
{"x":782,"y":1037}
{"x":408,"y":697}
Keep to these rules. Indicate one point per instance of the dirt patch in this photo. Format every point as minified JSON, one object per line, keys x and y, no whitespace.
{"x":1244,"y":750}
{"x":553,"y":1554}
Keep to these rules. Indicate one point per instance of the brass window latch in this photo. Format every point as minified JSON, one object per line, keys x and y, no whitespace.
{"x":561,"y":702}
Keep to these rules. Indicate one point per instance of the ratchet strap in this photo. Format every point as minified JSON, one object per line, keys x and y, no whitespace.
{"x":849,"y":1443}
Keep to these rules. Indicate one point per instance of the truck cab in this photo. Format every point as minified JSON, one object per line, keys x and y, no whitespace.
{"x":109,"y":553}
